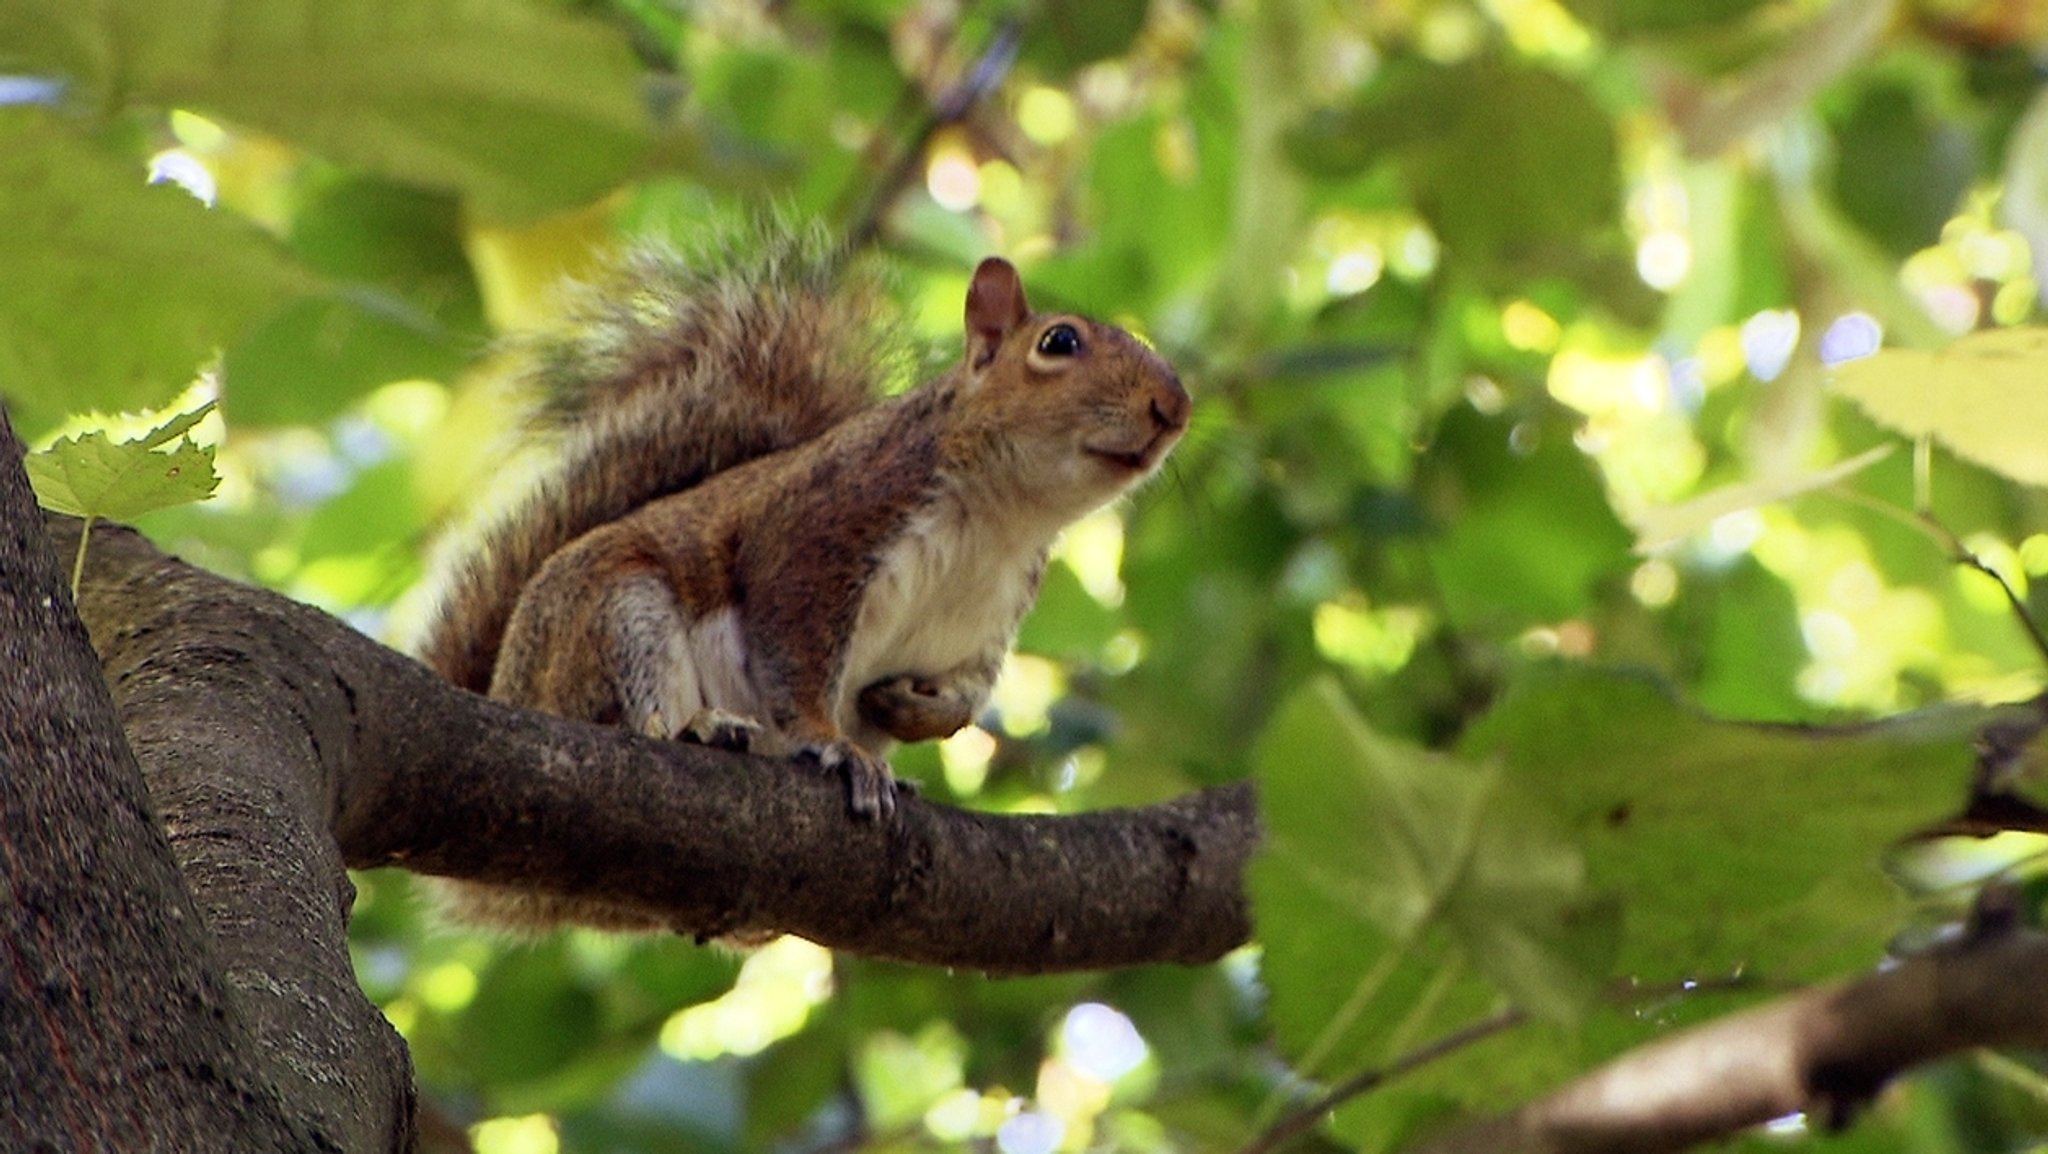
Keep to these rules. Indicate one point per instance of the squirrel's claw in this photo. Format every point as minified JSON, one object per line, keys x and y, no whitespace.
{"x":870,"y":786}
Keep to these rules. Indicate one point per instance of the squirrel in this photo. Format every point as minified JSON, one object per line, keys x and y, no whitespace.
{"x":745,"y":543}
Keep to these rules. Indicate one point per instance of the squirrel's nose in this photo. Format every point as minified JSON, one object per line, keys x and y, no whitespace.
{"x":1170,"y":406}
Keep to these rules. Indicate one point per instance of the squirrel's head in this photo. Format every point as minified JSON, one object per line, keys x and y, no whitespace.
{"x":1087,"y":409}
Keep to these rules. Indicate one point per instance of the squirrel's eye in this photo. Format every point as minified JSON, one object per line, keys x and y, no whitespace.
{"x":1059,"y":341}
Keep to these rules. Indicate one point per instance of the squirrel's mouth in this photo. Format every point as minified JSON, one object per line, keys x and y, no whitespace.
{"x":1138,"y":460}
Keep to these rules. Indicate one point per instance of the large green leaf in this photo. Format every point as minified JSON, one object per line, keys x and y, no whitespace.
{"x":1528,"y":191}
{"x":1403,"y":892}
{"x":406,"y":305}
{"x":1067,"y":34}
{"x":1896,"y":128}
{"x":1526,"y":534}
{"x":1736,"y":848}
{"x":1628,"y":17}
{"x":119,"y":291}
{"x":532,"y":1016}
{"x":515,"y":103}
{"x":1981,"y":397}
{"x":1733,"y":850}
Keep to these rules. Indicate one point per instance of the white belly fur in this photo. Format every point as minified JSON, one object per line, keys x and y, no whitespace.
{"x":943,"y":594}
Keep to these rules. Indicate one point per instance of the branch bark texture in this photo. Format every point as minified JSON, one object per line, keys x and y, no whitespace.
{"x":130,"y":1016}
{"x":410,"y":771}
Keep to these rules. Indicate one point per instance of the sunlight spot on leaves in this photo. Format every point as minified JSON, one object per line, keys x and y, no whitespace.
{"x":447,"y":988}
{"x":532,"y":1134}
{"x":901,"y":1077}
{"x":1094,"y":548}
{"x":778,"y":987}
{"x":965,"y":757}
{"x":1025,"y":692}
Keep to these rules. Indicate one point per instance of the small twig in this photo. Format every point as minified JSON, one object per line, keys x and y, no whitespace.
{"x":1624,"y":994}
{"x":1966,"y":558}
{"x":951,"y":107}
{"x":1926,"y":522}
{"x":1293,"y":1125}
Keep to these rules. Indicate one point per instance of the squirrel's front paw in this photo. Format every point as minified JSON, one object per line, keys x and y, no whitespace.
{"x":870,"y":787}
{"x":910,"y":708}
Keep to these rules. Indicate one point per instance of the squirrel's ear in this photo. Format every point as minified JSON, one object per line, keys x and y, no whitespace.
{"x":995,"y":307}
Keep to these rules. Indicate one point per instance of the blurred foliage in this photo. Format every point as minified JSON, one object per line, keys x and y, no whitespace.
{"x":1518,"y":502}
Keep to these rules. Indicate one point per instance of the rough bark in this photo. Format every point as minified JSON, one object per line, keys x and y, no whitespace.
{"x":132,"y":1014}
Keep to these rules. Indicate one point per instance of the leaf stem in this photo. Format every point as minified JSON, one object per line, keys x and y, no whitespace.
{"x":78,"y":558}
{"x":1923,"y":476}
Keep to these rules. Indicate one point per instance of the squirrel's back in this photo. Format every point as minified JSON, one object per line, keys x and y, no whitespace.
{"x":671,"y":368}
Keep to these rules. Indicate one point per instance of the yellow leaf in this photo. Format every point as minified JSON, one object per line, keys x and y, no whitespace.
{"x":1985,"y":397}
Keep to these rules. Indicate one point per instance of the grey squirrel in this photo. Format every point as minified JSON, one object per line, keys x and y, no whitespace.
{"x":744,"y":543}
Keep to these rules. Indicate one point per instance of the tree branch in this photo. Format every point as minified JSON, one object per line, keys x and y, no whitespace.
{"x":420,"y":774}
{"x":1824,"y":1051}
{"x":134,"y":1014}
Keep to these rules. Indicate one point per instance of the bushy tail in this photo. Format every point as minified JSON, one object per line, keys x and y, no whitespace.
{"x":672,"y":367}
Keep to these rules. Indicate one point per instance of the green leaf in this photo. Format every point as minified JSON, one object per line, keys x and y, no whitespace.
{"x":135,"y":285}
{"x":1066,"y":622}
{"x":1730,"y":850}
{"x":1394,"y":879}
{"x":1736,"y":848}
{"x":310,"y":362}
{"x":1633,"y":17}
{"x":1751,"y":649}
{"x":407,"y":308}
{"x":532,"y":1016}
{"x":1531,"y":189}
{"x":1983,"y":397}
{"x":380,"y":506}
{"x":88,"y":475}
{"x":1527,"y":535}
{"x":518,"y":104}
{"x":1929,"y":162}
{"x":787,"y":1084}
{"x":1669,"y":525}
{"x":1067,"y":34}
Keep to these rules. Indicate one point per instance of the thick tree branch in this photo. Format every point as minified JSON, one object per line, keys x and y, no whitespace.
{"x":445,"y":782}
{"x":1825,"y":1051}
{"x":129,"y":1015}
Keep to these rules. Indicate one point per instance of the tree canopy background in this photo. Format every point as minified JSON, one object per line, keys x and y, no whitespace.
{"x":1548,"y":518}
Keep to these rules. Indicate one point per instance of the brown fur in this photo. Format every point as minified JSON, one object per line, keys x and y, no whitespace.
{"x":860,"y":583}
{"x":675,"y":367}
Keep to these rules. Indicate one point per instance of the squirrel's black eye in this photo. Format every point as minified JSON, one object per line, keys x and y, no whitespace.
{"x":1059,"y":341}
